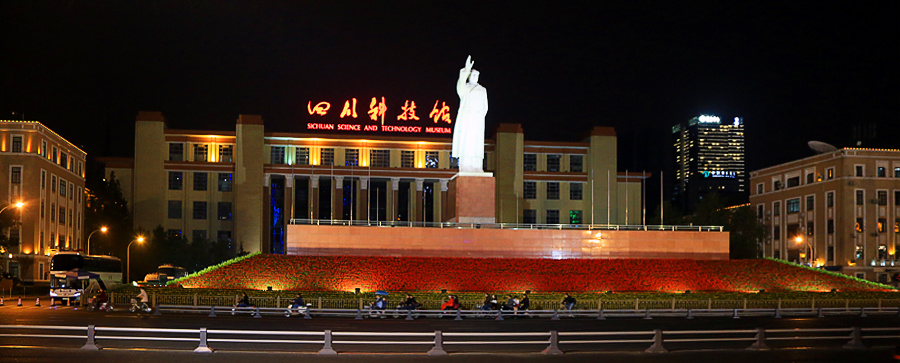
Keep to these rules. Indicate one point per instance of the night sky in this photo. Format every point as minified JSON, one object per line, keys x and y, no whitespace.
{"x":794,"y":71}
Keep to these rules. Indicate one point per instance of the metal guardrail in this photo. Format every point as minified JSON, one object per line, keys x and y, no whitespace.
{"x":551,"y":339}
{"x":601,"y":227}
{"x":601,"y":303}
{"x":600,"y":314}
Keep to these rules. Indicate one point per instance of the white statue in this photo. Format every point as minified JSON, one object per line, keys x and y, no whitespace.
{"x":468,"y":135}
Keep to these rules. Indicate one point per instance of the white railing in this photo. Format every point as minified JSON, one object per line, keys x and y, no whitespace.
{"x":582,"y":341}
{"x":600,"y":314}
{"x":603,"y":227}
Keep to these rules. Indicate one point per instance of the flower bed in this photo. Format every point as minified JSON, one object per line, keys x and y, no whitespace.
{"x":345,"y":273}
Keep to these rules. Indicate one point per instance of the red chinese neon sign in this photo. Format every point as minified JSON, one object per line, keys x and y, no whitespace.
{"x":377,"y":110}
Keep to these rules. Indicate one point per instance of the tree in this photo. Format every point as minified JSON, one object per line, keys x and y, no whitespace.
{"x":745,"y":231}
{"x":671,"y":214}
{"x":8,"y":219}
{"x":105,"y":206}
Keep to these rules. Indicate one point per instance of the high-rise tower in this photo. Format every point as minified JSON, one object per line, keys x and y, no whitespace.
{"x":709,"y":157}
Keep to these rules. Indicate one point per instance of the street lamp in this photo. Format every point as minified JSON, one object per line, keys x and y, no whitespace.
{"x":87,"y":248}
{"x":128,"y":258}
{"x":17,"y":205}
{"x":810,"y":247}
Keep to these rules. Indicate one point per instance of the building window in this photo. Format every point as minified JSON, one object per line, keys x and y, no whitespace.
{"x":223,"y":236}
{"x":63,"y":160}
{"x":43,"y":179}
{"x":576,"y":163}
{"x":897,"y":225}
{"x":553,"y":190}
{"x":44,"y":148}
{"x":529,"y":216}
{"x":882,"y":197}
{"x":70,"y":218}
{"x":198,"y":235}
{"x":199,"y":210}
{"x":759,"y":211}
{"x":351,"y":157}
{"x":859,"y":170}
{"x":175,"y":180}
{"x":776,"y":233}
{"x":174,"y":209}
{"x":860,"y":198}
{"x":759,"y":188}
{"x":226,"y":153}
{"x":882,"y":225}
{"x":173,"y":234}
{"x":15,"y":175}
{"x":16,"y":144}
{"x":574,"y":217}
{"x":860,"y":225}
{"x":302,"y":156}
{"x":224,"y":182}
{"x":380,"y":158}
{"x":201,"y":152}
{"x":810,"y":228}
{"x":882,"y":254}
{"x":776,"y":209}
{"x":552,"y":216}
{"x":200,"y":181}
{"x":793,"y":182}
{"x":327,"y":157}
{"x":277,"y":155}
{"x":432,"y":160}
{"x":71,"y":191}
{"x":882,"y":172}
{"x":62,"y":215}
{"x":576,"y":191}
{"x":897,"y":197}
{"x":829,"y":199}
{"x":793,"y":205}
{"x":776,"y":184}
{"x":53,"y":184}
{"x":529,"y":162}
{"x":553,"y":162}
{"x":81,"y":169}
{"x":829,"y":226}
{"x":407,"y":159}
{"x":176,"y":152}
{"x":52,"y":212}
{"x":810,"y":178}
{"x":53,"y":155}
{"x":810,"y":202}
{"x":530,"y":190}
{"x":224,"y":211}
{"x":897,"y":172}
{"x":62,"y":187}
{"x":42,"y":210}
{"x":860,"y":252}
{"x":829,"y":173}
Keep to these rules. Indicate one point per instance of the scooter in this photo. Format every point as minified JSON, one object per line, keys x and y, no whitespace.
{"x":105,"y":306}
{"x":135,"y":306}
{"x":243,"y":309}
{"x":300,"y":310}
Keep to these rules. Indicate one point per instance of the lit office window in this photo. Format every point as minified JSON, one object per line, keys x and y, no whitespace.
{"x":575,"y":217}
{"x":432,"y":160}
{"x":225,"y":182}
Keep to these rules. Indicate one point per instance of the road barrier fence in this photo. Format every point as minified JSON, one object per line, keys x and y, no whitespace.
{"x":552,"y":342}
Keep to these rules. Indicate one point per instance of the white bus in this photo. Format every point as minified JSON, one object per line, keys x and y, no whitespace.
{"x":108,"y":267}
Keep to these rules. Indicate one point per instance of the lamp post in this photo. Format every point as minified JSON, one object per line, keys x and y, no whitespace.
{"x":810,"y":247}
{"x":128,"y":258}
{"x":87,"y":248}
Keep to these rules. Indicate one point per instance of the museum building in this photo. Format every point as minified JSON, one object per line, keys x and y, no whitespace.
{"x":248,"y":185}
{"x":45,"y":173}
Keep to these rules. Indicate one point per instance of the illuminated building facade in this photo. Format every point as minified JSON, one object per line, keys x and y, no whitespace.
{"x":45,"y":172}
{"x":840,"y":207}
{"x":709,"y":157}
{"x":246,"y":186}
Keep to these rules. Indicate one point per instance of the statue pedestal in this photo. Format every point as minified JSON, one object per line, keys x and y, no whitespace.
{"x":471,"y":198}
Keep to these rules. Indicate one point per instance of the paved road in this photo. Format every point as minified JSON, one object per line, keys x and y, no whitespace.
{"x":69,"y":316}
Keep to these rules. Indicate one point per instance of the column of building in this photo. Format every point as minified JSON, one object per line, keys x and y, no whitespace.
{"x":393,"y":197}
